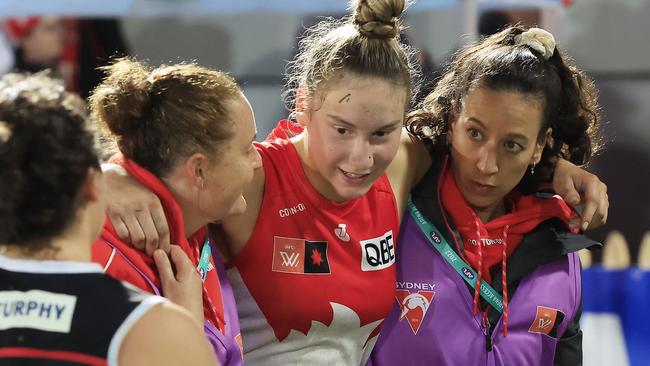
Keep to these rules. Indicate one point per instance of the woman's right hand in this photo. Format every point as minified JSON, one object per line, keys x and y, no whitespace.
{"x":136,"y":213}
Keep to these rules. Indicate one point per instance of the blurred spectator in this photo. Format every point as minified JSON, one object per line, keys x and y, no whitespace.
{"x":430,"y":72}
{"x":72,"y":48}
{"x":99,"y":41}
{"x":6,"y":54}
{"x":42,"y":43}
{"x":492,"y":21}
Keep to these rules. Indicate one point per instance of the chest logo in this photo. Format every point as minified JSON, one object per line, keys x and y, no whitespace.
{"x":300,"y":256}
{"x":546,"y":321}
{"x":414,"y":306}
{"x":342,"y":233}
{"x":290,"y":211}
{"x":377,"y":253}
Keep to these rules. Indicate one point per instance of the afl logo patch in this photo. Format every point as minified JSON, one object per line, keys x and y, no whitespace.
{"x":300,"y":256}
{"x":435,"y":237}
{"x":546,"y":321}
{"x":468,"y":273}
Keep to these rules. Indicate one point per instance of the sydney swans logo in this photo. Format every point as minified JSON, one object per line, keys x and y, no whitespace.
{"x":414,"y":306}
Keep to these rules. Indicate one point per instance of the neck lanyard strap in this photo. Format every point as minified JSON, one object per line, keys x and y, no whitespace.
{"x":463,"y":269}
{"x":204,"y":260}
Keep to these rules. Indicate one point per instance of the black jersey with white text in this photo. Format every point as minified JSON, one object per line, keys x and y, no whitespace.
{"x":64,"y":313}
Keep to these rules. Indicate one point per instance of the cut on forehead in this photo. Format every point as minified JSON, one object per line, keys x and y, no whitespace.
{"x":343,"y":85}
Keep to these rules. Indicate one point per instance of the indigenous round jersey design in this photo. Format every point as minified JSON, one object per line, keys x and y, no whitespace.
{"x":317,"y":278}
{"x":64,"y":313}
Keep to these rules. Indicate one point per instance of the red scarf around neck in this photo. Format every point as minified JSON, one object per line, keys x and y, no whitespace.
{"x":486,"y":245}
{"x":212,"y":302}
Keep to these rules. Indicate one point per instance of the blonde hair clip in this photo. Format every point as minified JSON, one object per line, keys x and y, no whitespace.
{"x":538,"y":39}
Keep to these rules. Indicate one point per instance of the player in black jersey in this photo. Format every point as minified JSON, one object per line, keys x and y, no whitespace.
{"x":56,"y":307}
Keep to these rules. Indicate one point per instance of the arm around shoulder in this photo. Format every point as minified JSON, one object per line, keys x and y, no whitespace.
{"x":408,"y":167}
{"x":166,"y":335}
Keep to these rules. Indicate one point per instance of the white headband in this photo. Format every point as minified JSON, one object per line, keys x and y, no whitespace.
{"x":537,"y":39}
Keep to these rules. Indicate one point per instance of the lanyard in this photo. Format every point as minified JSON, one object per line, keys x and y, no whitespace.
{"x":462,"y":268}
{"x":204,"y":262}
{"x":203,"y":268}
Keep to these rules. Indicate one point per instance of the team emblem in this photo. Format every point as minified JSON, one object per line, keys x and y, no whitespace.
{"x":414,"y":306}
{"x":341,"y":232}
{"x":546,"y":321}
{"x":300,"y":256}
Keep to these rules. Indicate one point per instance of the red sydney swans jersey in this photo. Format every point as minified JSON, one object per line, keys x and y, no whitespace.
{"x":317,"y":278}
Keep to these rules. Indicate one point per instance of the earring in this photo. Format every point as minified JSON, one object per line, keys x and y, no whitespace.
{"x":532,"y":168}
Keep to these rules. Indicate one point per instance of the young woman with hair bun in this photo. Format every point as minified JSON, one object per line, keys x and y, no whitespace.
{"x":312,"y":260}
{"x":505,"y":109}
{"x":57,"y":307}
{"x":185,"y":133}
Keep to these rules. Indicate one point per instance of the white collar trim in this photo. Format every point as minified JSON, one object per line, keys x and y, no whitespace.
{"x":47,"y":266}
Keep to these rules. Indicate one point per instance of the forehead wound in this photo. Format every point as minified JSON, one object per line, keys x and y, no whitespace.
{"x":345,"y":98}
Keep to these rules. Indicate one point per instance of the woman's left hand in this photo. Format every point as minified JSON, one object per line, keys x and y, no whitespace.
{"x":577,"y":186}
{"x":181,"y":283}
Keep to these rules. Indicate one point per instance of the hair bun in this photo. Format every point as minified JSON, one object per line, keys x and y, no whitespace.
{"x":123,"y":99}
{"x":378,"y":18}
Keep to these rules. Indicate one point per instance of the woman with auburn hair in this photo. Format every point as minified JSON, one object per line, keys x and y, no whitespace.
{"x":489,"y":271}
{"x":184,"y":132}
{"x":57,"y":307}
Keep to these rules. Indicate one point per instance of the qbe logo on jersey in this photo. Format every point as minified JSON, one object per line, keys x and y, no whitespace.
{"x":377,"y":253}
{"x":300,"y":256}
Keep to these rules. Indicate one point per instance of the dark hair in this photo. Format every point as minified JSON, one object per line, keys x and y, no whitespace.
{"x":568,"y":96}
{"x":366,"y":43}
{"x":46,"y":149}
{"x":160,"y":116}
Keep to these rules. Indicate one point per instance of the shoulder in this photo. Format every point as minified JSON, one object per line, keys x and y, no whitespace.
{"x":278,"y":158}
{"x":269,"y":149}
{"x":165,"y":334}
